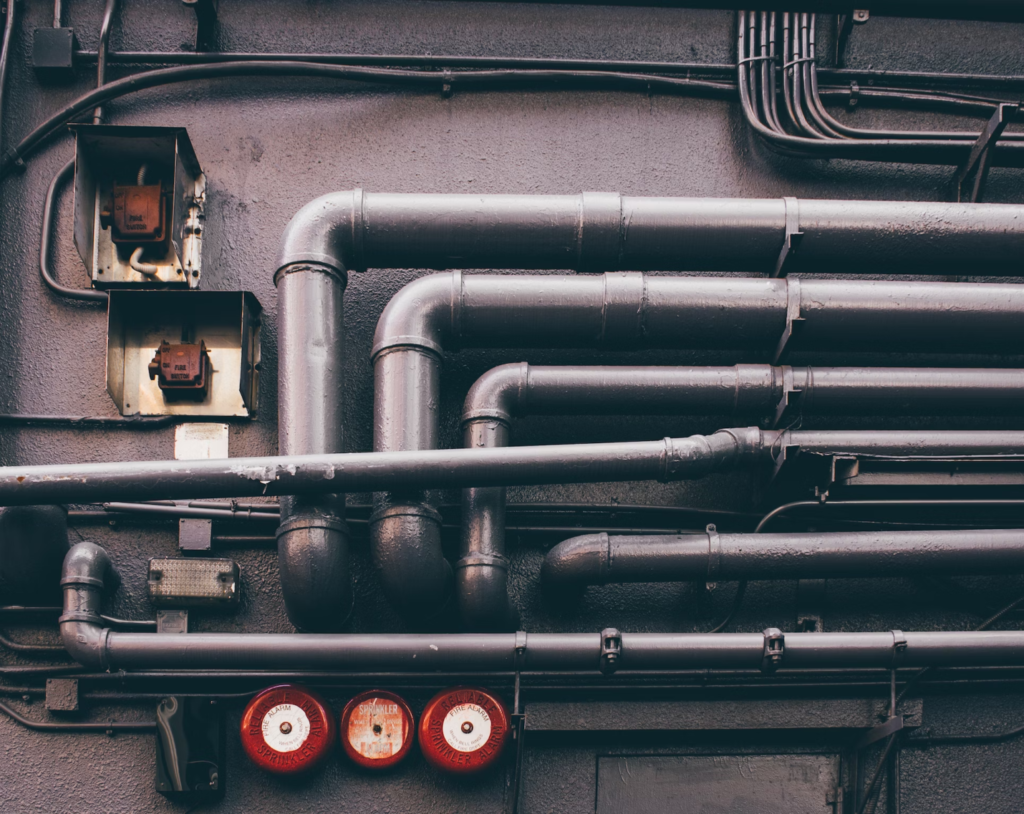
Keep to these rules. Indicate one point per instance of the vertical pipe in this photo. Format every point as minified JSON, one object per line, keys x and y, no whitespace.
{"x":312,"y":539}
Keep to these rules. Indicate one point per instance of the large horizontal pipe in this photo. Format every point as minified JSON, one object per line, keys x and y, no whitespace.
{"x":87,"y":568}
{"x":606,"y":231}
{"x":666,"y":460}
{"x":516,"y":390}
{"x":600,"y":559}
{"x":594,"y":232}
{"x":622,"y":311}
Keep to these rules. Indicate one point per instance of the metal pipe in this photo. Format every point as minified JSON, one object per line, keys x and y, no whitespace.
{"x":87,"y":570}
{"x":516,"y":390}
{"x":591,"y":232}
{"x":668,"y":459}
{"x":312,"y":538}
{"x":605,"y":231}
{"x":621,"y":311}
{"x":600,"y":559}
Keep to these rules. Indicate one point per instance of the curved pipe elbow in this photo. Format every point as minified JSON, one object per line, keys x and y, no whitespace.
{"x":481,"y":585}
{"x":499,"y":394}
{"x":86,"y":643}
{"x":86,"y":573}
{"x":312,"y":557}
{"x":89,"y":565}
{"x":578,"y":561}
{"x":423,"y":314}
{"x":328,"y":231}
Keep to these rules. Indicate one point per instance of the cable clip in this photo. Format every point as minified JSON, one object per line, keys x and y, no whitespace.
{"x":714,"y":555}
{"x":611,"y":650}
{"x":899,"y":648}
{"x":774,"y":646}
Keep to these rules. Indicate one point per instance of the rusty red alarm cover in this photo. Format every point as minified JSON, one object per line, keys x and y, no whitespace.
{"x":287,"y":729}
{"x":463,"y":730}
{"x":377,"y":729}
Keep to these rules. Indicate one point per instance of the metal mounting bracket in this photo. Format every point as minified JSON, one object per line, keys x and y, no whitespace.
{"x":206,"y":23}
{"x":792,"y":238}
{"x":793,"y":319}
{"x":774,"y":647}
{"x":714,"y":555}
{"x":518,"y":727}
{"x":611,"y":650}
{"x":980,"y":158}
{"x":791,"y":402}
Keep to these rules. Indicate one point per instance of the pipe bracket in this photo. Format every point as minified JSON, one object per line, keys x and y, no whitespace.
{"x":714,"y":554}
{"x":794,"y":320}
{"x":774,"y":647}
{"x":611,"y":650}
{"x":792,"y":238}
{"x":899,"y":648}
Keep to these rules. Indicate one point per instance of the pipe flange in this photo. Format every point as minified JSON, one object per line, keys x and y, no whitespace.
{"x":321,"y":268}
{"x":306,"y":522}
{"x":89,"y":617}
{"x":416,"y":510}
{"x":81,"y":579}
{"x":488,"y":560}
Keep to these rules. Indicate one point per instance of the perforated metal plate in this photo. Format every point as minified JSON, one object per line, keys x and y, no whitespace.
{"x":177,"y":582}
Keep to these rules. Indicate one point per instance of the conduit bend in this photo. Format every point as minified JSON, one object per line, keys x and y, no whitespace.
{"x":516,"y":390}
{"x":87,"y":571}
{"x":592,"y":232}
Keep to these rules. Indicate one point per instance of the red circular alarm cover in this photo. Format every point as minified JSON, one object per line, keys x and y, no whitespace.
{"x":463,"y":730}
{"x":287,"y":729}
{"x":377,"y":729}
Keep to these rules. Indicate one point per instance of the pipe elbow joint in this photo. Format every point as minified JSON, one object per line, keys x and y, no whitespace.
{"x":424,"y":314}
{"x":414,"y":574}
{"x":481,"y":585}
{"x":326,"y":231}
{"x":499,"y":394}
{"x":86,"y":642}
{"x":312,"y":554}
{"x":86,"y":574}
{"x":578,"y":561}
{"x":89,"y":565}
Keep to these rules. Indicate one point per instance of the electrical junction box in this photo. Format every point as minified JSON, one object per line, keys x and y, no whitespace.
{"x":139,"y":199}
{"x":53,"y":54}
{"x":217,"y":334}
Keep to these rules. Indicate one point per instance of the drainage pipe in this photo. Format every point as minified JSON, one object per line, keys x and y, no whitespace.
{"x":516,"y":390}
{"x":605,"y":231}
{"x":87,"y":571}
{"x":623,"y":311}
{"x":594,"y":232}
{"x":669,"y":459}
{"x":312,"y":538}
{"x":600,"y":559}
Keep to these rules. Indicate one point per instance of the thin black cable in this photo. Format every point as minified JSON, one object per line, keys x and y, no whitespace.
{"x":38,"y":649}
{"x":90,"y":726}
{"x":429,"y":79}
{"x":5,"y":50}
{"x":101,"y":54}
{"x":49,"y":206}
{"x":939,"y":151}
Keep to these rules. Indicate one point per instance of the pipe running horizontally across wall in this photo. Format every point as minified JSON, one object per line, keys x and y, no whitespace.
{"x":595,"y":232}
{"x":88,"y":570}
{"x":602,"y":559}
{"x":517,"y":390}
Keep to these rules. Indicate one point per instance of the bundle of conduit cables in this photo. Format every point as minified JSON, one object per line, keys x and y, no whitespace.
{"x":777,"y":51}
